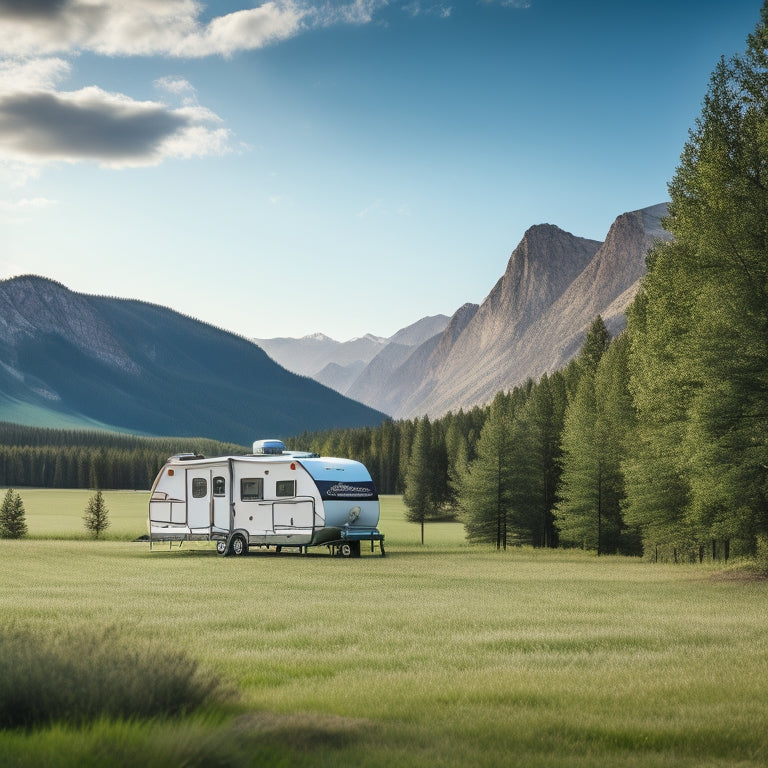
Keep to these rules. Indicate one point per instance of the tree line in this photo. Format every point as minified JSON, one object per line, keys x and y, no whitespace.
{"x":66,"y":458}
{"x":657,"y":441}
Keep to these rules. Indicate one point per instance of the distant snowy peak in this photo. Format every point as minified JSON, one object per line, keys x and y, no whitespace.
{"x":310,"y":355}
{"x":370,"y":337}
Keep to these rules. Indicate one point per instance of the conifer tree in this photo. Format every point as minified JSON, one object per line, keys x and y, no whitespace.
{"x":420,"y":492}
{"x":13,"y":523}
{"x":700,"y":328}
{"x":547,"y":407}
{"x":96,"y":517}
{"x":594,"y":346}
{"x":485,"y":489}
{"x":598,"y":424}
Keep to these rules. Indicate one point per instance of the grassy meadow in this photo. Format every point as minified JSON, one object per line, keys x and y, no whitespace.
{"x":436,"y":655}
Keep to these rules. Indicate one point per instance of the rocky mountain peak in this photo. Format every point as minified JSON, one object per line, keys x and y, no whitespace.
{"x":544,"y":264}
{"x":32,"y":305}
{"x":533,"y":321}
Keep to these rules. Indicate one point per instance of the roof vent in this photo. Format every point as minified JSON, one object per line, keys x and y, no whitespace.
{"x":268,"y":447}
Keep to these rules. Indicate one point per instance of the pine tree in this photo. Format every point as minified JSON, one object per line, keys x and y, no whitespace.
{"x":13,"y":524}
{"x":547,"y":407}
{"x":594,"y":346}
{"x":700,"y":332}
{"x":578,"y":514}
{"x":485,"y":489}
{"x":96,"y":517}
{"x":420,"y":490}
{"x":598,"y":424}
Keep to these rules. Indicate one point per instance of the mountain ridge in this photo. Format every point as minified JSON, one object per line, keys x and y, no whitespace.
{"x":139,"y":367}
{"x":532,"y":321}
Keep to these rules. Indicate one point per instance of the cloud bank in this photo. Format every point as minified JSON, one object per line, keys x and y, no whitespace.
{"x":41,"y":124}
{"x":174,"y":28}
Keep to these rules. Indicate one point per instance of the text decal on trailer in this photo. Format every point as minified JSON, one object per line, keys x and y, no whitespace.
{"x":330,"y":490}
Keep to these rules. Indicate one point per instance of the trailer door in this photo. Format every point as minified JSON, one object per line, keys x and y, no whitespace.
{"x":220,"y":483}
{"x":199,"y":497}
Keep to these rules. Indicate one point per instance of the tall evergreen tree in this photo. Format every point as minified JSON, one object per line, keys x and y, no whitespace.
{"x":13,"y":524}
{"x":700,"y":334}
{"x":598,"y":424}
{"x":594,"y":346}
{"x":546,"y":417}
{"x":419,"y":496}
{"x":579,"y":513}
{"x":485,"y":490}
{"x":458,"y":458}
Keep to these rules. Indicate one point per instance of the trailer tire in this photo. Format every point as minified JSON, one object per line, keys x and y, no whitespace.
{"x":221,"y":547}
{"x":238,"y":547}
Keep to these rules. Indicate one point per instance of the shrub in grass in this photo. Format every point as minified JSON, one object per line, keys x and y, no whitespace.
{"x":78,"y":677}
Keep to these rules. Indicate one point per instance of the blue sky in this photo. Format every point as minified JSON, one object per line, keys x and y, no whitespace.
{"x":287,"y":168}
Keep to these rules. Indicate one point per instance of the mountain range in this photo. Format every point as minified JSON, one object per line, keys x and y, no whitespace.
{"x":71,"y":360}
{"x":532,"y":322}
{"x":337,"y":364}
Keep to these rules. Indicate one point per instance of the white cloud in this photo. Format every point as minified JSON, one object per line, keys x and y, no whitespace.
{"x":107,"y":128}
{"x":104,"y":26}
{"x":32,"y":74}
{"x":180,"y":88}
{"x":356,"y":12}
{"x":40,"y":123}
{"x":23,"y":211}
{"x":26,"y":204}
{"x":243,"y":30}
{"x":418,"y":8}
{"x":162,"y":27}
{"x":520,"y":4}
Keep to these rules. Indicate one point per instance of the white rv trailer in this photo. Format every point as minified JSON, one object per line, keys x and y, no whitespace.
{"x":271,"y":498}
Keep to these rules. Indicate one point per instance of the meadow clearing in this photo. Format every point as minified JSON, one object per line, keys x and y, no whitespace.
{"x":436,"y":655}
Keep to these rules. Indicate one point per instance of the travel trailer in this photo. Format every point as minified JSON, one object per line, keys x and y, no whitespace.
{"x":272,"y":498}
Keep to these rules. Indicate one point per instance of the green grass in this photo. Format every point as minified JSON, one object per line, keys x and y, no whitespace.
{"x":59,"y":514}
{"x":443,"y":655}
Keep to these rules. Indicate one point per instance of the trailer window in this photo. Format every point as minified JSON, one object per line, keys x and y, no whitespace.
{"x":252,"y":488}
{"x":219,"y":486}
{"x":285,"y":488}
{"x":199,"y":487}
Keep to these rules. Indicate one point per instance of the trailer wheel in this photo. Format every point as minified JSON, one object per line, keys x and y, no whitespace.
{"x":238,"y":546}
{"x":221,"y":547}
